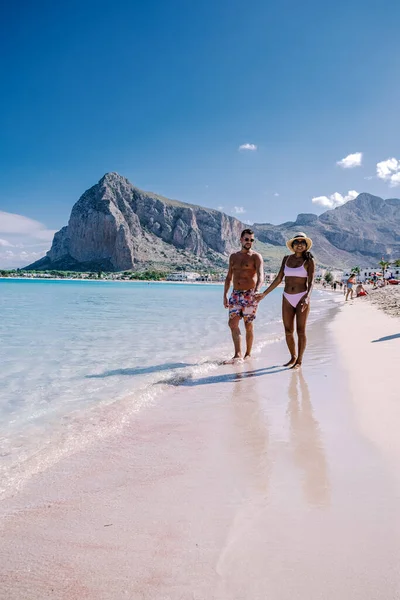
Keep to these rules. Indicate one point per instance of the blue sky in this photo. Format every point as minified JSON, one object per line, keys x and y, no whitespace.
{"x":166,"y":92}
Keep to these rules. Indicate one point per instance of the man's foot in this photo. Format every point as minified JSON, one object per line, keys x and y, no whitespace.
{"x":233,"y":361}
{"x":291,"y":362}
{"x":247,"y":356}
{"x":297,"y":365}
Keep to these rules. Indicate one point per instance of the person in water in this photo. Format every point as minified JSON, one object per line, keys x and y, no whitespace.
{"x":298,"y":270}
{"x":247,"y":273}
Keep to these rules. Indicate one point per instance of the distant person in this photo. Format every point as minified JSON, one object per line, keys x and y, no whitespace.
{"x":341,"y":285}
{"x":247,"y":272}
{"x":350,"y":283}
{"x":361,"y":291}
{"x":334,"y":285}
{"x":298,"y":270}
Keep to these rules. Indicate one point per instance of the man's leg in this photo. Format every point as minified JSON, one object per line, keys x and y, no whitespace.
{"x":249,"y":337}
{"x":288,"y":313}
{"x":236,"y":335}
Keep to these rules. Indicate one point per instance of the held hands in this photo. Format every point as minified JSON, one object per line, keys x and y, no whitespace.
{"x":258,"y":297}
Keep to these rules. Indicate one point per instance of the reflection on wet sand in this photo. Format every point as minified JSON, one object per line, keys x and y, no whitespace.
{"x":251,"y":427}
{"x":306,"y":442}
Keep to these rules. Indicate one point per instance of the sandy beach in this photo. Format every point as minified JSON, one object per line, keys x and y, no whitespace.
{"x":254,"y":482}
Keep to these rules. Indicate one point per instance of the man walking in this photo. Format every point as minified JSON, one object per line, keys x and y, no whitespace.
{"x":247,"y":272}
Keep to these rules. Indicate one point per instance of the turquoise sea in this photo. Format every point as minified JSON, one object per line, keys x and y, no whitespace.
{"x":79,"y":358}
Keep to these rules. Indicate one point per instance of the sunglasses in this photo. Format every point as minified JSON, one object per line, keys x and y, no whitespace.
{"x":249,"y":239}
{"x":299,"y":242}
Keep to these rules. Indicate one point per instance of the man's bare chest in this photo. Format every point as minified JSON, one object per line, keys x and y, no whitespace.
{"x":245,"y":263}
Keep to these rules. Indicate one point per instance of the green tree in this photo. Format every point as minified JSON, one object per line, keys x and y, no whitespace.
{"x":397,"y":262}
{"x":328,"y":277}
{"x":384,"y":265}
{"x":356,"y":270}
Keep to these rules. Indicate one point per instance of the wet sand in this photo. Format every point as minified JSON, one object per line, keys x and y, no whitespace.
{"x":254,"y":483}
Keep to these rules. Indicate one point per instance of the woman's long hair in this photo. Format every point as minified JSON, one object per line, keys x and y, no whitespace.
{"x":307,"y":255}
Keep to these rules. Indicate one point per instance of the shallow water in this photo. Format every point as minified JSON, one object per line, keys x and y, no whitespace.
{"x":77,"y":358}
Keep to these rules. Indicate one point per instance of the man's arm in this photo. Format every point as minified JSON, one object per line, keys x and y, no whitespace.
{"x":260,"y":272}
{"x":228,"y":281}
{"x":275,"y":282}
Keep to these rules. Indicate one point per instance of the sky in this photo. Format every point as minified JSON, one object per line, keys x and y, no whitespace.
{"x":262,"y":109}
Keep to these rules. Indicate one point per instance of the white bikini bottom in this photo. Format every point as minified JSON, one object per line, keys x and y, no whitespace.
{"x":294,"y":299}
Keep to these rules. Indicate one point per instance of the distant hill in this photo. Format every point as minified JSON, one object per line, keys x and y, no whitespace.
{"x":358,"y":232}
{"x":114,"y":226}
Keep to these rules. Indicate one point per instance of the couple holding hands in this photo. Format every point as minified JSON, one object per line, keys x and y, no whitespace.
{"x":247,"y":274}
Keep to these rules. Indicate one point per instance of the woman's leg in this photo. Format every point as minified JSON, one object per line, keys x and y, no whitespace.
{"x":288,"y":314}
{"x":301,"y":322}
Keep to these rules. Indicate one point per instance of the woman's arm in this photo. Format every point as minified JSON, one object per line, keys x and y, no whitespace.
{"x":310,"y":283}
{"x":275,"y":282}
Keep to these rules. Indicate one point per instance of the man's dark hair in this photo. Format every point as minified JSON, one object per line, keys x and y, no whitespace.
{"x":248,"y":231}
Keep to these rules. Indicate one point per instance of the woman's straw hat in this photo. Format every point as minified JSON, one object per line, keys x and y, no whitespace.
{"x":299,"y":236}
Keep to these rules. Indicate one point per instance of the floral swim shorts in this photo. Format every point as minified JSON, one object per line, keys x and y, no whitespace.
{"x":243,"y":304}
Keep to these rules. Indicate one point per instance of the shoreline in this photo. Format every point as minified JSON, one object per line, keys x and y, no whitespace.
{"x":225,"y":489}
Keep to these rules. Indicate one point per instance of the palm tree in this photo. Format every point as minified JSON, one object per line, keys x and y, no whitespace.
{"x":397,"y":262}
{"x":356,"y":270}
{"x":385,"y":265}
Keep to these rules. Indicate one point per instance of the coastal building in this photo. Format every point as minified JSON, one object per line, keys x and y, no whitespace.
{"x":336,"y":274}
{"x":368,"y":272}
{"x":183,"y":276}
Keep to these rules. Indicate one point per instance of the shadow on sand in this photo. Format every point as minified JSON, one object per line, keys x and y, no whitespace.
{"x":140,"y":370}
{"x":227,"y":378}
{"x":386,"y":338}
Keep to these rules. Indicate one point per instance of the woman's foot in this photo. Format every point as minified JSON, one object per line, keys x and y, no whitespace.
{"x":297,"y":365}
{"x":291,"y":362}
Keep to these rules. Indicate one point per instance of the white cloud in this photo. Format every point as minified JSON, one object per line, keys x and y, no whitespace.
{"x":20,"y":232}
{"x":18,"y":224}
{"x":239,"y":210}
{"x":335,"y":199}
{"x":276,"y":194}
{"x":248,"y":147}
{"x":248,"y":222}
{"x":351,"y":161}
{"x":220,"y":208}
{"x":389,"y":170}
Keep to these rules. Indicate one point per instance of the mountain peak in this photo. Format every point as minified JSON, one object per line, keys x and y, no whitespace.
{"x":112,"y":178}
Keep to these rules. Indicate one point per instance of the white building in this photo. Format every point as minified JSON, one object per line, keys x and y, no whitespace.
{"x":336,"y":274}
{"x":183,"y":276}
{"x":368,"y":273}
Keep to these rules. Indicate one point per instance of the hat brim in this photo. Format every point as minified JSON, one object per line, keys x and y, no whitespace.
{"x":306,"y":239}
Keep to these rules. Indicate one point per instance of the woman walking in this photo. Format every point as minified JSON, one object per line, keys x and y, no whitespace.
{"x":298,"y":270}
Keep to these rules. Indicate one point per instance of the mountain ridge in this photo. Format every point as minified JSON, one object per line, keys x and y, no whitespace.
{"x":116,"y":226}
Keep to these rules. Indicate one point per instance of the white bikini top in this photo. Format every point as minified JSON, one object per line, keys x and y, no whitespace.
{"x":295,"y":271}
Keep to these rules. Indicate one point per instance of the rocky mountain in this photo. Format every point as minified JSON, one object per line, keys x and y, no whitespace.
{"x":114,"y":226}
{"x":358,"y":232}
